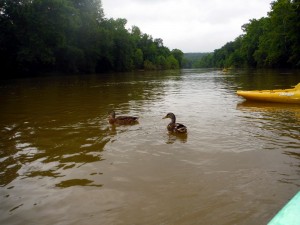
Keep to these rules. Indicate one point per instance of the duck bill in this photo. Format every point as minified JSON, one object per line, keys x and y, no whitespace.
{"x":165,"y":117}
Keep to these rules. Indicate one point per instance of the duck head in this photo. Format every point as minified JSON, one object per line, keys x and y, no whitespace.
{"x":111,"y":114}
{"x":171,"y":116}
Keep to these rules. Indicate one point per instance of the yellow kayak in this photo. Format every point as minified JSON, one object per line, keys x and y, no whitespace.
{"x":279,"y":95}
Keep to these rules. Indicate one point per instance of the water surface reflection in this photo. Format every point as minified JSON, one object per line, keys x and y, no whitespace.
{"x":276,"y":121}
{"x":59,"y":156}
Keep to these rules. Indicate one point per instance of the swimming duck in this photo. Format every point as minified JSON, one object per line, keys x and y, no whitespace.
{"x":121,"y":120}
{"x":173,"y":126}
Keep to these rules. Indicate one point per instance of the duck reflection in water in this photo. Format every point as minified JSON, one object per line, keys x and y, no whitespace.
{"x":172,"y":138}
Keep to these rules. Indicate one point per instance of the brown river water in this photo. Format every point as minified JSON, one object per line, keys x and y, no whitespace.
{"x":62,"y":163}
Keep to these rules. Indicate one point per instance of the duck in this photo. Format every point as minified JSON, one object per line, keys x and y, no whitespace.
{"x":121,"y":120}
{"x":175,"y":127}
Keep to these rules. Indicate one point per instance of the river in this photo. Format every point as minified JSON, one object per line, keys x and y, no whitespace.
{"x":62,"y":163}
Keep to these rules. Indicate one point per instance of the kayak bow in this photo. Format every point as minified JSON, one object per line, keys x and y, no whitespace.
{"x":280,"y":95}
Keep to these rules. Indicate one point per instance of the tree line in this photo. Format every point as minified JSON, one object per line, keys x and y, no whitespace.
{"x":74,"y":36}
{"x":269,"y":42}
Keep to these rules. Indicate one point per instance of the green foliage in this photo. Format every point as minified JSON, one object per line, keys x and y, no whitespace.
{"x":161,"y":62}
{"x":74,"y":36}
{"x":178,"y":55}
{"x":138,"y":58}
{"x":293,"y":34}
{"x":172,"y":62}
{"x":268,"y":42}
{"x":148,"y":65}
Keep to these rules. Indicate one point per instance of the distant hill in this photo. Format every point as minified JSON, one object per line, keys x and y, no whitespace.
{"x":190,"y":59}
{"x":195,"y":55}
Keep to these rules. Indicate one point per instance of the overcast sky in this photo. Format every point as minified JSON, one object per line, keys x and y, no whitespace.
{"x":189,"y":25}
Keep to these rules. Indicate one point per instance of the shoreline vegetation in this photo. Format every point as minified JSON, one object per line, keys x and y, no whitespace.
{"x":74,"y":36}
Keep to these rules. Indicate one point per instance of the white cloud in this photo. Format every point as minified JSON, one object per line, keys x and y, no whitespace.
{"x":189,"y":25}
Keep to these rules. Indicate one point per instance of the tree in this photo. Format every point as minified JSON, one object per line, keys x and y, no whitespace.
{"x":72,"y":36}
{"x":172,"y":63}
{"x":178,"y":54}
{"x":253,"y":31}
{"x":148,"y":65}
{"x":294,"y":34}
{"x":278,"y":43}
{"x":138,"y":59}
{"x":272,"y":41}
